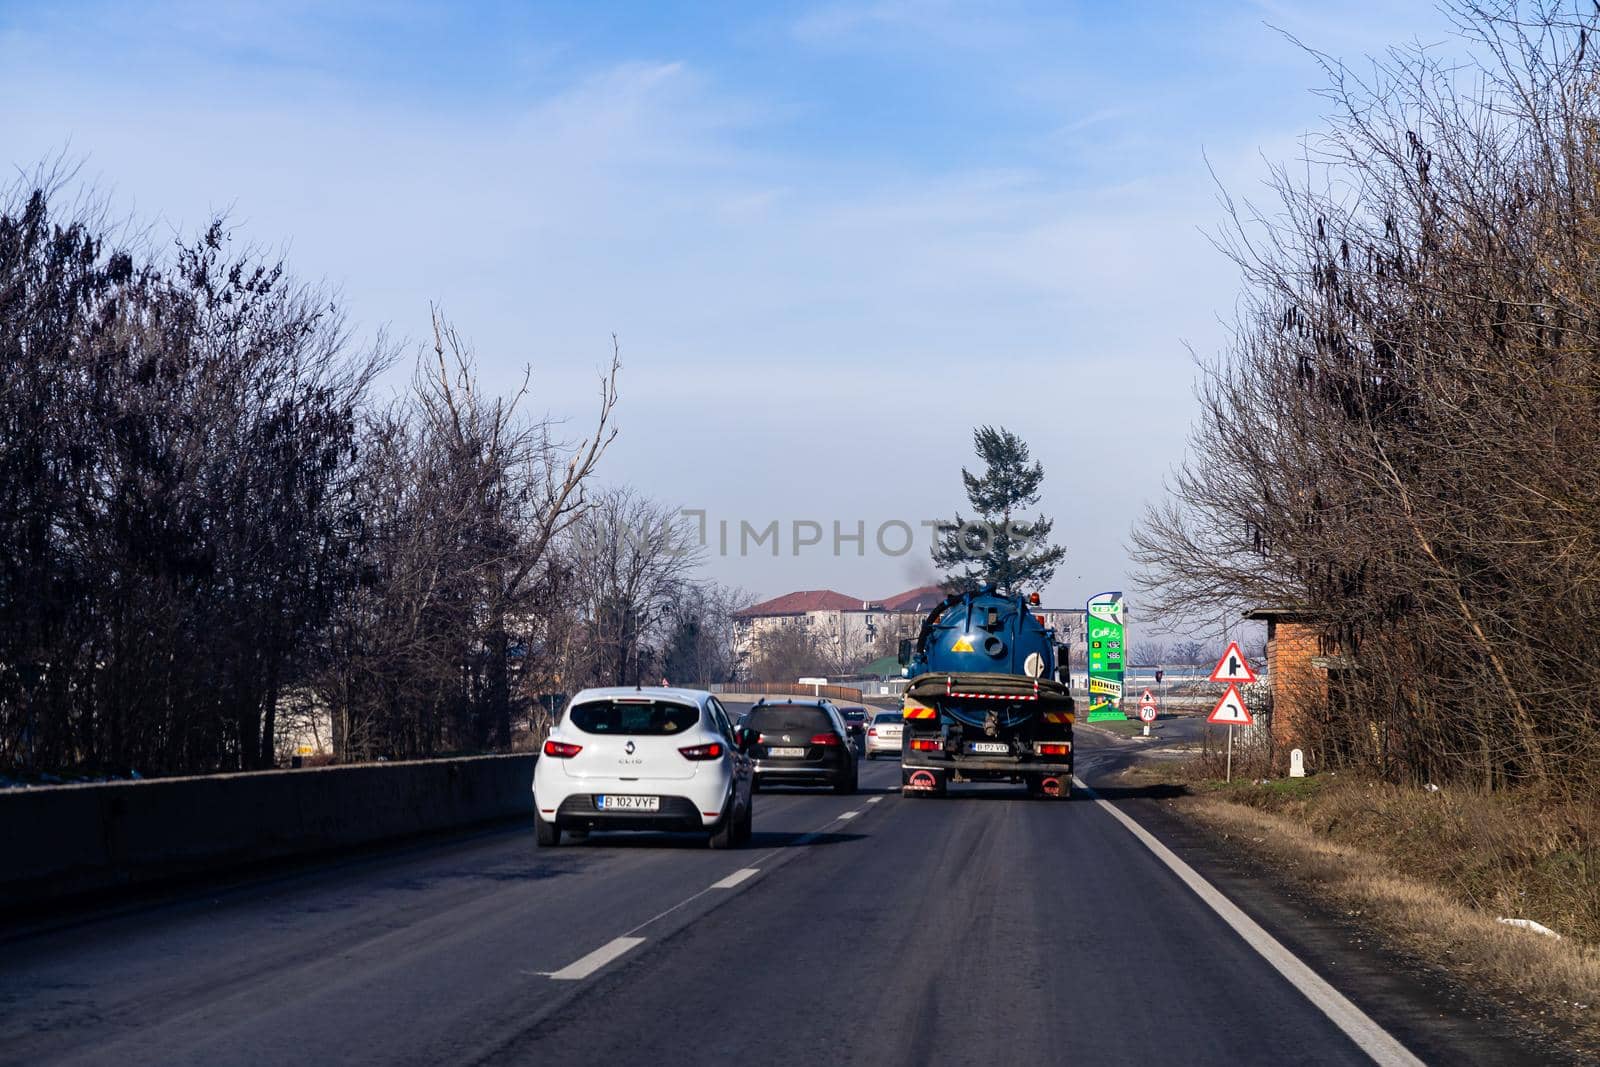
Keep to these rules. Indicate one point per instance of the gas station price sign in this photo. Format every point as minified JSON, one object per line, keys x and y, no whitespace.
{"x":1107,"y":641}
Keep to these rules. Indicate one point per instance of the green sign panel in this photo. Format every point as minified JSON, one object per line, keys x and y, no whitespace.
{"x":1107,"y":641}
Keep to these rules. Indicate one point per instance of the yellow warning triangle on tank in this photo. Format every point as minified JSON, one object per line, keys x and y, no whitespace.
{"x":963,"y":644}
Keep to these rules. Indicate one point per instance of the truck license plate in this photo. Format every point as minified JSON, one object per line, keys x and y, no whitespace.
{"x":625,"y":803}
{"x":989,"y":747}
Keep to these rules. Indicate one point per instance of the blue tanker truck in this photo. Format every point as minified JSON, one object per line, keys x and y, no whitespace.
{"x":988,"y":698}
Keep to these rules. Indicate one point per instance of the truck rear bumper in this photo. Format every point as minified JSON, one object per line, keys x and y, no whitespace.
{"x":931,"y":761}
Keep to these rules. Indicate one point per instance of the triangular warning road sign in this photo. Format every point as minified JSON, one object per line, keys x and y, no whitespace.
{"x":1147,"y":697}
{"x":1233,"y":667}
{"x":1231,"y":710}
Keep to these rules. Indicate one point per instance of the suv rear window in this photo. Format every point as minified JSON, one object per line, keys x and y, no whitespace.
{"x":776,"y":718}
{"x":640,"y":718}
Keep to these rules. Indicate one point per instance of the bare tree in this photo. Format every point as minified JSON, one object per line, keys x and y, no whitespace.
{"x":1188,"y":652}
{"x":176,"y":437}
{"x":699,"y":643}
{"x":786,"y":652}
{"x":1400,"y":442}
{"x":1150,"y":652}
{"x":631,"y":558}
{"x":465,"y":499}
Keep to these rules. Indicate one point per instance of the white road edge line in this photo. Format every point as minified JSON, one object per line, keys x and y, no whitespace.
{"x":736,"y":877}
{"x":583,"y":968}
{"x":1371,"y":1038}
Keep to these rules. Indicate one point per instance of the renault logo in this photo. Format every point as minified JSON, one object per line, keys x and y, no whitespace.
{"x":628,"y":748}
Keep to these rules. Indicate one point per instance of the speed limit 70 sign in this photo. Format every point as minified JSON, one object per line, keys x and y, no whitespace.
{"x":1147,"y":712}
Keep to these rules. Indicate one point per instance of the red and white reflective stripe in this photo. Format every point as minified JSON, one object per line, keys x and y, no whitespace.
{"x":950,"y":691}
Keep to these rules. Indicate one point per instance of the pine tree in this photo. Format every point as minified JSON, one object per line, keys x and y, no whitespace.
{"x":996,"y":547}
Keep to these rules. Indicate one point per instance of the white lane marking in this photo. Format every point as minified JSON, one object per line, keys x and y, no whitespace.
{"x":583,"y":968}
{"x":849,"y":815}
{"x":1371,"y":1038}
{"x":735,"y":878}
{"x":873,"y":800}
{"x":610,"y":951}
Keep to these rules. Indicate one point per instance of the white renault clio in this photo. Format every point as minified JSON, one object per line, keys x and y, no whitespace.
{"x":644,"y":759}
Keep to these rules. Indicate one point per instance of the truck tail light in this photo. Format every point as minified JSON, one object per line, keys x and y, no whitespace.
{"x":700,"y":752}
{"x":826,"y":740}
{"x":561,"y":750}
{"x":925,"y":744}
{"x":1051,"y":748}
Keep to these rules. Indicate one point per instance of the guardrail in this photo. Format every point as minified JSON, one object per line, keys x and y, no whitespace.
{"x":68,"y":840}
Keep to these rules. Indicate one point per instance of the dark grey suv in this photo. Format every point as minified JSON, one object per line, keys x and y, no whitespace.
{"x":802,"y":743}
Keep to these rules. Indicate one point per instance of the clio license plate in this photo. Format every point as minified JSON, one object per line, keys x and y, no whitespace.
{"x":608,"y":802}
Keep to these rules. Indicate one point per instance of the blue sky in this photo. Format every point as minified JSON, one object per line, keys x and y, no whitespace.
{"x":831,"y":238}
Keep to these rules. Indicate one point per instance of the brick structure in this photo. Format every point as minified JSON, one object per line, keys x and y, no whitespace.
{"x":1300,"y":660}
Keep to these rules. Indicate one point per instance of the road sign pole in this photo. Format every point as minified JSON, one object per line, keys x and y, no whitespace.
{"x":1230,"y":753}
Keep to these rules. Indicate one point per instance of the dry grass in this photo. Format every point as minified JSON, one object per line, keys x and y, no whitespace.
{"x":1432,"y":871}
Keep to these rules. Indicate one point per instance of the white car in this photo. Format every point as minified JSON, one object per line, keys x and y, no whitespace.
{"x":885,"y":734}
{"x":644,"y":759}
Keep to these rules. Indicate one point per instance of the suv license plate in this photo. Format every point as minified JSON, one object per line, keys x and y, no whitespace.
{"x":995,"y":747}
{"x":624,"y":803}
{"x":786,"y":753}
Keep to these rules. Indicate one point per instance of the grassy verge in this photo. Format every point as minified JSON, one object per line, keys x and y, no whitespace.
{"x":1121,"y":727}
{"x":1433,"y":872}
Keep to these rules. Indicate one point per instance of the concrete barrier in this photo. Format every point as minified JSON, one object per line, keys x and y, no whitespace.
{"x":63,"y":841}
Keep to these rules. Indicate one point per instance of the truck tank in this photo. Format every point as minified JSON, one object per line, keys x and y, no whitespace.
{"x":987,"y":699}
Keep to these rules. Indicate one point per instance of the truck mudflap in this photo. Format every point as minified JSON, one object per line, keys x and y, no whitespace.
{"x":923,"y":781}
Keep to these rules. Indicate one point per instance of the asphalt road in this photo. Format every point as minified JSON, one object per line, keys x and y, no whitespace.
{"x":874,"y":929}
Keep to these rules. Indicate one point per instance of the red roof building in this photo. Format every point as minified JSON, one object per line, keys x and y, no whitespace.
{"x":806,"y":600}
{"x":919,"y":600}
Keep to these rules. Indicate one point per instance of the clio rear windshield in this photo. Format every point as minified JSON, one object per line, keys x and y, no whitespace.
{"x":635,"y":718}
